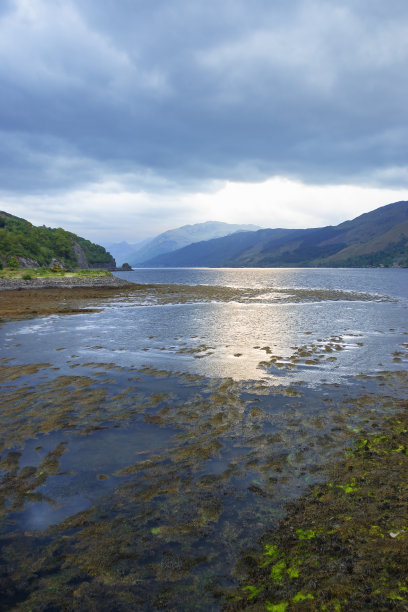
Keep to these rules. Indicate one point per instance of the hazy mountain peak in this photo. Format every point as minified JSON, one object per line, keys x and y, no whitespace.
{"x":174,"y":239}
{"x":376,"y":238}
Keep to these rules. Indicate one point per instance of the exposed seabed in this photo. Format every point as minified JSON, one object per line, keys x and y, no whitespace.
{"x":142,"y":488}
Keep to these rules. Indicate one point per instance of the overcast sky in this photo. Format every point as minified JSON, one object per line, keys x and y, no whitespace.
{"x":120,"y":119}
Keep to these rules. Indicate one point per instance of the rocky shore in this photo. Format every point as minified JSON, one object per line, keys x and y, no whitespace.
{"x":63,"y":282}
{"x":21,"y":299}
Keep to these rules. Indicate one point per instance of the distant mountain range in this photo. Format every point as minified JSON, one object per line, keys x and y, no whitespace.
{"x":172,"y":240}
{"x":25,"y":245}
{"x":123,"y":251}
{"x":377,"y":238}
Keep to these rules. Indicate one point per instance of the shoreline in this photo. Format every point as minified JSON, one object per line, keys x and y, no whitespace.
{"x":340,"y":546}
{"x":20,"y":299}
{"x":63,"y":282}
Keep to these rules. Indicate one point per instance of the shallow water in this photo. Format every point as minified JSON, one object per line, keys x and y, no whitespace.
{"x":339,"y":329}
{"x":145,"y":448}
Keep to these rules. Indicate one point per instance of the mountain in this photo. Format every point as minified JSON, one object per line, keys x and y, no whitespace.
{"x":30,"y":246}
{"x":377,"y":238}
{"x":182,"y":236}
{"x":122,"y":251}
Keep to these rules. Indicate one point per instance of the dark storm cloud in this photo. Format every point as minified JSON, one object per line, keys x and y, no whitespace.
{"x":191,"y":91}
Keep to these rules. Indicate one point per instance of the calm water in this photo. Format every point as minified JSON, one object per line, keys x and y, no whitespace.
{"x":147,"y":447}
{"x":379,"y":280}
{"x":230,"y":338}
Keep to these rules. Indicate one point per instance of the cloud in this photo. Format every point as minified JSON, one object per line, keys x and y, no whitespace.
{"x":280,"y":202}
{"x":106,"y":212}
{"x":171,"y":99}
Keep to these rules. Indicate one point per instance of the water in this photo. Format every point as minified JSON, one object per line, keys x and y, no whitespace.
{"x":147,"y":447}
{"x":361,"y":312}
{"x":377,"y":280}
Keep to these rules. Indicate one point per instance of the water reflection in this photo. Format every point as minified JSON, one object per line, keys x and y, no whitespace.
{"x":224,"y":339}
{"x":123,"y":482}
{"x":376,"y":280}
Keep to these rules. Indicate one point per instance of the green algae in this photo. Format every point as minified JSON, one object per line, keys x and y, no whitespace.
{"x":280,"y":607}
{"x":173,"y":513}
{"x":19,"y":486}
{"x":12,"y":373}
{"x":336,"y":541}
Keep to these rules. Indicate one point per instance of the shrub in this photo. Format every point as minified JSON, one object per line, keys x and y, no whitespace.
{"x":26,"y":276}
{"x":13,"y":263}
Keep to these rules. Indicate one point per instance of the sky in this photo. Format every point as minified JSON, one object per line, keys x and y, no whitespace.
{"x":121,"y":119}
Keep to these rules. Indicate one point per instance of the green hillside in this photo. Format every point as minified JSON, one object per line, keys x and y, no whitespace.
{"x":377,"y":238}
{"x":32,"y":246}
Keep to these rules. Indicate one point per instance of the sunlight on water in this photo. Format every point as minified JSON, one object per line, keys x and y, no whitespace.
{"x":147,"y":449}
{"x":224,"y":339}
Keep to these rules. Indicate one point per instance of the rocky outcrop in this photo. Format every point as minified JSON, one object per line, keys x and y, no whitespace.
{"x":85,"y":264}
{"x":56,"y":263}
{"x":80,"y":255}
{"x":27,"y":262}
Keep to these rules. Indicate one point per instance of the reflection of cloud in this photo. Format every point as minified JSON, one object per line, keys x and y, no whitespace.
{"x":40,"y":515}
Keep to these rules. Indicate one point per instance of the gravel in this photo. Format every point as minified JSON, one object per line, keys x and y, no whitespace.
{"x":63,"y":282}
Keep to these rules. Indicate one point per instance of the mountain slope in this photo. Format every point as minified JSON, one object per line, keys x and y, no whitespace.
{"x":377,"y":238}
{"x":33,"y":246}
{"x":187,"y":234}
{"x":122,"y":251}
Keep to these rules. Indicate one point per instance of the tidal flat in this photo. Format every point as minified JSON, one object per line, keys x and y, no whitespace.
{"x":137,"y":475}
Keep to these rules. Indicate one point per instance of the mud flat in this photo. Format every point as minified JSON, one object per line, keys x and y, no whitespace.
{"x":20,"y":300}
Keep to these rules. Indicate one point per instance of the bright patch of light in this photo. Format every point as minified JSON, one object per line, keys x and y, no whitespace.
{"x":110,"y":212}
